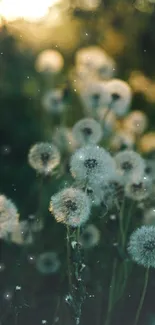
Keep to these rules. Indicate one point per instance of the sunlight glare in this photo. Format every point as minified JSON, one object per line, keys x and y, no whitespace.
{"x":28,"y":9}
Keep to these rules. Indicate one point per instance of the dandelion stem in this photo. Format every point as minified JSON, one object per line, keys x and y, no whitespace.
{"x":111,"y":294}
{"x":142,"y":296}
{"x":68,"y":260}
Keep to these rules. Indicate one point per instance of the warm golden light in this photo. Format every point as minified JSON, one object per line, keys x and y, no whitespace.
{"x":27,"y":9}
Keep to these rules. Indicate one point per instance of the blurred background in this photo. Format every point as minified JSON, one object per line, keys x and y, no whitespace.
{"x":126,"y":31}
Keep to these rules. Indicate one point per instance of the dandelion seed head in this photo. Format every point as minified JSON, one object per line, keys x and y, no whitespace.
{"x":136,"y":122}
{"x":9,"y":216}
{"x":129,"y":162}
{"x":138,"y":188}
{"x":93,"y":96}
{"x":90,"y":236}
{"x":91,"y":162}
{"x":53,"y":101}
{"x":47,"y":263}
{"x":146,"y":143}
{"x":70,"y":206}
{"x":21,"y":234}
{"x":96,"y":59}
{"x":49,"y":62}
{"x":142,"y":246}
{"x":119,"y":96}
{"x":44,"y":157}
{"x":87,"y":131}
{"x":64,"y":140}
{"x":122,"y":140}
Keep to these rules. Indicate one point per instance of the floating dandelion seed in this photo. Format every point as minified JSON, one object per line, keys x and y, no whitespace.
{"x":136,"y":122}
{"x":44,"y":157}
{"x":53,"y":101}
{"x":129,"y":162}
{"x":70,"y":206}
{"x":9,"y":216}
{"x":119,"y":96}
{"x":142,"y":246}
{"x":138,"y":188}
{"x":87,"y":131}
{"x":49,"y":62}
{"x":91,"y":162}
{"x":47,"y":263}
{"x":90,"y":237}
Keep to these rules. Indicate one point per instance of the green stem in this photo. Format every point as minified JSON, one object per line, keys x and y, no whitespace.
{"x":142,"y":296}
{"x":68,"y":261}
{"x":111,"y":294}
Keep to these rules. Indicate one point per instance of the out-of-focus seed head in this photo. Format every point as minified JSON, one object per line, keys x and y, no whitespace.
{"x":87,"y":131}
{"x":149,"y":216}
{"x":150,"y":168}
{"x":138,"y":188}
{"x":93,"y":96}
{"x":96,"y":59}
{"x":122,"y":140}
{"x":49,"y":62}
{"x":91,"y":163}
{"x":53,"y":101}
{"x":147,"y":142}
{"x":136,"y":122}
{"x":119,"y":96}
{"x":47,"y":263}
{"x":44,"y":157}
{"x":9,"y":216}
{"x":87,"y":5}
{"x":70,"y":206}
{"x":129,"y":163}
{"x":64,"y":140}
{"x":90,"y":237}
{"x":142,"y":246}
{"x":21,"y":234}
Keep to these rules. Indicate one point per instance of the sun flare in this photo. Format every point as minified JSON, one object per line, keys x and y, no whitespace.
{"x":29,"y":9}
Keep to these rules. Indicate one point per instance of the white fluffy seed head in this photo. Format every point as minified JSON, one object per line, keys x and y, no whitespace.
{"x":119,"y":96}
{"x":150,"y":168}
{"x":91,"y":163}
{"x":9,"y":217}
{"x":21,"y":234}
{"x":138,"y":188}
{"x":96,"y":59}
{"x":47,"y":263}
{"x":87,"y":131}
{"x":64,"y":140}
{"x":129,"y":163}
{"x":93,"y":96}
{"x":122,"y":140}
{"x":70,"y":206}
{"x":90,"y":236}
{"x":142,"y":246}
{"x":49,"y":62}
{"x":136,"y":122}
{"x":53,"y":101}
{"x":44,"y":157}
